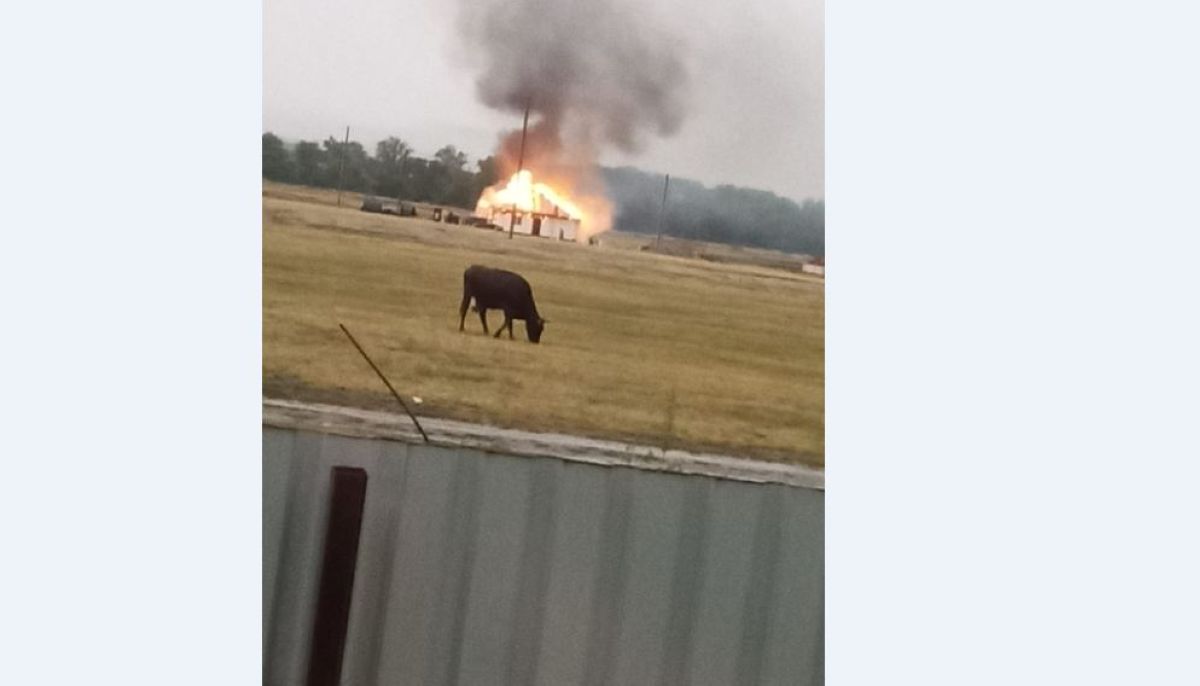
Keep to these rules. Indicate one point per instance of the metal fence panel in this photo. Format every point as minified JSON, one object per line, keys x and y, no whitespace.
{"x":381,"y":518}
{"x":478,"y":568}
{"x":727,"y":562}
{"x":574,"y":558}
{"x":415,"y":568}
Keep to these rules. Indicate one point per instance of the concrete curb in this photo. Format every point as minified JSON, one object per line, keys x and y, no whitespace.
{"x":347,"y":421}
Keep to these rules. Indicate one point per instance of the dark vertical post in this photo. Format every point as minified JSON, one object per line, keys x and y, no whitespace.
{"x":348,"y":495}
{"x":524,"y":130}
{"x":662,"y":212}
{"x":512,"y":218}
{"x":341,"y":164}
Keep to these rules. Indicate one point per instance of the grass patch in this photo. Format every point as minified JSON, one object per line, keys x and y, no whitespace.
{"x":741,"y":346}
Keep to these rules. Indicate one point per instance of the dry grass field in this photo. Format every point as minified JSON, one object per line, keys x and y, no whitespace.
{"x":650,"y":348}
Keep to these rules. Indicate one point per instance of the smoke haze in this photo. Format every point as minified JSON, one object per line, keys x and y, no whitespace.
{"x":750,"y":104}
{"x":595,"y":75}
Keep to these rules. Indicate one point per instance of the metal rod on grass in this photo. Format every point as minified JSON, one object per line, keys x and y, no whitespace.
{"x":387,"y":383}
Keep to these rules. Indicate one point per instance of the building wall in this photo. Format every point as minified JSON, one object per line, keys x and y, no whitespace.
{"x":550,"y":227}
{"x":478,"y":568}
{"x":502,"y":219}
{"x":564,"y":229}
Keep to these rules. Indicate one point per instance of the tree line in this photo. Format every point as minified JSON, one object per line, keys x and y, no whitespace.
{"x":393,"y":171}
{"x":724,"y":214}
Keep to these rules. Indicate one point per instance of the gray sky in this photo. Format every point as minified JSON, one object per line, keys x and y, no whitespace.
{"x":755,"y":114}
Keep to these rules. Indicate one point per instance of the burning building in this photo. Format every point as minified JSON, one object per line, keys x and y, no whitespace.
{"x":530,"y":208}
{"x":537,"y":224}
{"x":594,"y":76}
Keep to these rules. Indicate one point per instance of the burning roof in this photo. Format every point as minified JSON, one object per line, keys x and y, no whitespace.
{"x":523,"y":194}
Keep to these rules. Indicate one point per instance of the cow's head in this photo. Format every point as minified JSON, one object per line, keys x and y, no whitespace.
{"x":534,"y":328}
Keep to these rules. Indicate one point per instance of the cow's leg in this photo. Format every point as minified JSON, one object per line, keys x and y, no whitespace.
{"x":462,"y":309}
{"x":507,"y":323}
{"x":482,"y":316}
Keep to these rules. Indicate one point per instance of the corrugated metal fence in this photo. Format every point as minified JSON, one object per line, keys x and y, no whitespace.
{"x":478,"y":568}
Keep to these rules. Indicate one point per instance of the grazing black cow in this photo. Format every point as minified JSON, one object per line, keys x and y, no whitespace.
{"x":496,"y":289}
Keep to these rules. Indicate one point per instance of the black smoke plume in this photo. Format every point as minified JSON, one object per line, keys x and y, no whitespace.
{"x":594,"y":73}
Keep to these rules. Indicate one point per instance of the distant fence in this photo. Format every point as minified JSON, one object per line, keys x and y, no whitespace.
{"x":456,"y":566}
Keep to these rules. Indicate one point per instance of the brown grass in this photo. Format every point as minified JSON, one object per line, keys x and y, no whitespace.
{"x":741,"y":347}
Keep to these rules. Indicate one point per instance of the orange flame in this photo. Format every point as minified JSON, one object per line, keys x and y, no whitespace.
{"x":521,"y":192}
{"x":593,"y":212}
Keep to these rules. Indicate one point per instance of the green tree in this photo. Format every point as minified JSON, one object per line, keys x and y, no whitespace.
{"x":276,"y":163}
{"x":421,"y":181}
{"x":349,"y":161}
{"x":488,"y":175}
{"x":391,"y":158}
{"x":391,"y":151}
{"x":310,"y":160}
{"x":451,"y":158}
{"x":451,"y":184}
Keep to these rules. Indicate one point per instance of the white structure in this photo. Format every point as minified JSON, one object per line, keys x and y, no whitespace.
{"x":536,"y":224}
{"x":529,"y":208}
{"x":817,"y":268}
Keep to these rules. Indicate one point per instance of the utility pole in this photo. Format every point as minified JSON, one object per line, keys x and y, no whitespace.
{"x":662,"y":213}
{"x":341,"y":164}
{"x":512,"y":218}
{"x":524,"y":129}
{"x":400,"y":189}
